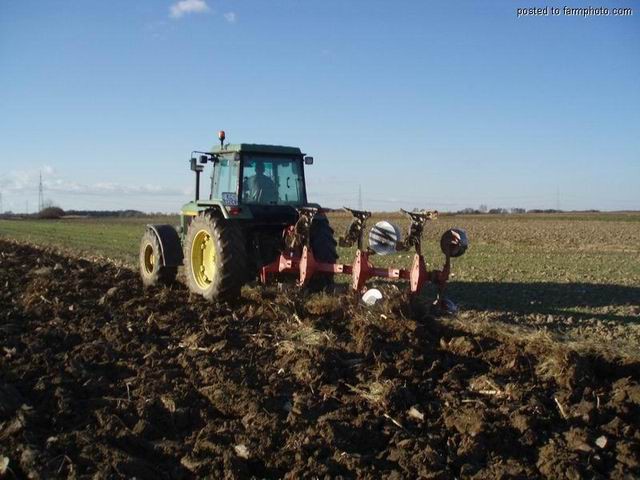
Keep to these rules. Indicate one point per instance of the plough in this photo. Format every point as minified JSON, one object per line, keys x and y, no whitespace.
{"x":298,"y":257}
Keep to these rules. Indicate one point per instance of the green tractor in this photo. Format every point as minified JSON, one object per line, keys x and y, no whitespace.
{"x":223,"y":241}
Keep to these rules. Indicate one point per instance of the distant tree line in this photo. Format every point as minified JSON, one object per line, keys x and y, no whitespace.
{"x":50,"y":212}
{"x":482,"y":209}
{"x":108,"y":213}
{"x":53,"y":212}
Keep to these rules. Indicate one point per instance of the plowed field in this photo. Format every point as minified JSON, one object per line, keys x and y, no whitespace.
{"x":100,"y":379}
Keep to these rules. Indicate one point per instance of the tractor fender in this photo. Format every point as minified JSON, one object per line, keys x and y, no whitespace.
{"x":170,"y":245}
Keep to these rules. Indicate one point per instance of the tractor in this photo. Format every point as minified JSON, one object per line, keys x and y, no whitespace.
{"x":255,"y":221}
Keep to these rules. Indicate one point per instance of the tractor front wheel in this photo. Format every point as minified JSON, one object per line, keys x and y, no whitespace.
{"x":152,"y":270}
{"x":215,"y":258}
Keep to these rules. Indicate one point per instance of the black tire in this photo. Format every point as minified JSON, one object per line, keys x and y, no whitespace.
{"x":228,"y":271}
{"x":324,"y":250}
{"x":152,"y":270}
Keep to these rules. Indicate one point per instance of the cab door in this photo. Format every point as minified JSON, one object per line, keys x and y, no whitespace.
{"x":226,"y":179}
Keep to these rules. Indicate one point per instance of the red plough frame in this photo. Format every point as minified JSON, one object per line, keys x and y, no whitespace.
{"x":361,"y":270}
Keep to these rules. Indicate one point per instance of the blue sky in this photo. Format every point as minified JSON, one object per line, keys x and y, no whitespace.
{"x":445,"y":105}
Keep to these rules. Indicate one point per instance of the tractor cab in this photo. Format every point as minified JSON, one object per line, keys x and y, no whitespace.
{"x":261,"y":175}
{"x":251,"y":182}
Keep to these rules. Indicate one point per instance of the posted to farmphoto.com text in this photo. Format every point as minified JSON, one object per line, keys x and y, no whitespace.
{"x":569,"y":11}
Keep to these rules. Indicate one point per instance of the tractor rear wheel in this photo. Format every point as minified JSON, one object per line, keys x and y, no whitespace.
{"x":152,"y":270}
{"x":324,"y":250}
{"x":215,"y":258}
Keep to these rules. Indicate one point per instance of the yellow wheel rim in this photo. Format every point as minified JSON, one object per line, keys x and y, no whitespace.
{"x":203,"y":259}
{"x":149,"y":259}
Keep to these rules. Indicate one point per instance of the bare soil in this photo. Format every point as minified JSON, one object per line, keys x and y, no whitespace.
{"x":100,"y":379}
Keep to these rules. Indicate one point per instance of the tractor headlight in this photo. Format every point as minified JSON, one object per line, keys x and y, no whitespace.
{"x":454,"y":242}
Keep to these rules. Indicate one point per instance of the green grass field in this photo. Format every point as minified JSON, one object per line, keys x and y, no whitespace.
{"x":577,"y":275}
{"x":113,"y":238}
{"x":594,"y":248}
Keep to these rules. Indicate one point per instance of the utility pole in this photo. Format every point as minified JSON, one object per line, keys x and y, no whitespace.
{"x":27,"y":207}
{"x":359,"y":197}
{"x":40,"y":195}
{"x":558,"y":199}
{"x":1,"y":210}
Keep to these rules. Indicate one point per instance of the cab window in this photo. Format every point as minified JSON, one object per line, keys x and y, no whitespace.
{"x":272,"y":181}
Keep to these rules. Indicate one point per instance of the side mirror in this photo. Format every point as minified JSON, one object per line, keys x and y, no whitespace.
{"x":308,"y":160}
{"x":194,"y":165}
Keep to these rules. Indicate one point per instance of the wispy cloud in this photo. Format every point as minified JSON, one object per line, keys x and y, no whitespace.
{"x":230,"y":17}
{"x":26,"y":181}
{"x":155,"y":29}
{"x":184,"y":7}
